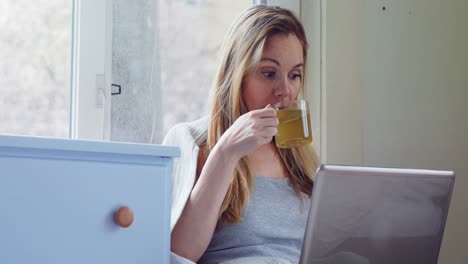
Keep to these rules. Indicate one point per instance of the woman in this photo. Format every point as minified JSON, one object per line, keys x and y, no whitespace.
{"x":236,"y":195}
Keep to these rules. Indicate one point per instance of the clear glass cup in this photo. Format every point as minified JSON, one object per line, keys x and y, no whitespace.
{"x":294,"y":129}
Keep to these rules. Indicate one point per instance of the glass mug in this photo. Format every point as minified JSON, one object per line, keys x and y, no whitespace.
{"x":294,"y":128}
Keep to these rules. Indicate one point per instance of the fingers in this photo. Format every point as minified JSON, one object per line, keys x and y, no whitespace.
{"x":262,"y":124}
{"x":269,"y":132}
{"x":264,"y":113}
{"x":265,"y":140}
{"x":266,"y":135}
{"x":269,"y":122}
{"x":265,"y":120}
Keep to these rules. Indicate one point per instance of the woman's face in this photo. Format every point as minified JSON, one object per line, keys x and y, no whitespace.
{"x":278,"y":74}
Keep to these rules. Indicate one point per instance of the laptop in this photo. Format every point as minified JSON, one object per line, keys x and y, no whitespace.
{"x":365,"y":215}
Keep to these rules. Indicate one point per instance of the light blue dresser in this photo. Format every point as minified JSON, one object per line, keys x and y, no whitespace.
{"x":59,"y":198}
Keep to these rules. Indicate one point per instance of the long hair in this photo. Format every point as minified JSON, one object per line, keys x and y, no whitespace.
{"x":241,"y":52}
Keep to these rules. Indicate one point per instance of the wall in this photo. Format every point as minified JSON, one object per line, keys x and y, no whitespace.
{"x":393,"y":93}
{"x":342,"y":33}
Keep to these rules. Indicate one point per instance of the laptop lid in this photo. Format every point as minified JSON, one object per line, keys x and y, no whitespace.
{"x":362,"y":215}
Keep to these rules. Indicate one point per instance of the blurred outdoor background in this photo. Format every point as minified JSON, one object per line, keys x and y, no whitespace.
{"x":35,"y":46}
{"x":35,"y":61}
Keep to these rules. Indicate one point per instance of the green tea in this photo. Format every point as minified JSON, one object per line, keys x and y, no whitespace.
{"x":294,"y":128}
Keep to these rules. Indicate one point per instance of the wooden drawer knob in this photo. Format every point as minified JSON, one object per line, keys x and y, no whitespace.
{"x":124,"y":216}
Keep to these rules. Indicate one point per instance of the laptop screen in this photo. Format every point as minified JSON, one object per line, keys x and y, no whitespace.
{"x":376,"y":215}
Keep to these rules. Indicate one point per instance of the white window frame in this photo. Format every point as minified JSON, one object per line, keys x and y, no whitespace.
{"x":91,"y":70}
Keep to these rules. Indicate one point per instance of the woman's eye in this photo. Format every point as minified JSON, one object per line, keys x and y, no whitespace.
{"x":269,"y":74}
{"x":295,"y":76}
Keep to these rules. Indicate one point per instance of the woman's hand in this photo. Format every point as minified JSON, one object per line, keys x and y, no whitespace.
{"x":250,"y":131}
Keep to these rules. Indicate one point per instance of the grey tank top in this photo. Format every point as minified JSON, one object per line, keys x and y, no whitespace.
{"x":273,"y":225}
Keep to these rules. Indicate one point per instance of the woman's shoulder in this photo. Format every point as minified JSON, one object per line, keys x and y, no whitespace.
{"x":195,"y":131}
{"x":192,"y":125}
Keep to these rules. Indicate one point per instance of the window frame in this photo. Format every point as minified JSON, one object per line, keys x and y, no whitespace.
{"x":91,"y":70}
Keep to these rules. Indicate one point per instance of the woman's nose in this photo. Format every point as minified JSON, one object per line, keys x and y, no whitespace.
{"x":282,"y":88}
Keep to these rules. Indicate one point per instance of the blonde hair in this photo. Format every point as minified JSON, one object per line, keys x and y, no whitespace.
{"x":242,"y":50}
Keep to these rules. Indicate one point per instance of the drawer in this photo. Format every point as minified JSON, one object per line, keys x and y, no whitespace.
{"x":58,"y":199}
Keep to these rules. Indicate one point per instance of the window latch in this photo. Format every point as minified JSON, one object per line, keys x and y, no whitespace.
{"x":119,"y":89}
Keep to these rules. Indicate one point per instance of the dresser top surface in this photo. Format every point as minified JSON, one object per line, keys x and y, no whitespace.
{"x":31,"y":142}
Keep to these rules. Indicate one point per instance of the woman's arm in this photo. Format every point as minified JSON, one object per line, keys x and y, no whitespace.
{"x":194,"y":229}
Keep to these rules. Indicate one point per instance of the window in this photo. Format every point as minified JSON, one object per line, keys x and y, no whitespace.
{"x":191,"y":35}
{"x":160,"y":55}
{"x":35,"y":65}
{"x":35,"y":44}
{"x":164,"y":58}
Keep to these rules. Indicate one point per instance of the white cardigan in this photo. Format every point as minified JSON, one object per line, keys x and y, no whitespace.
{"x":188,"y":137}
